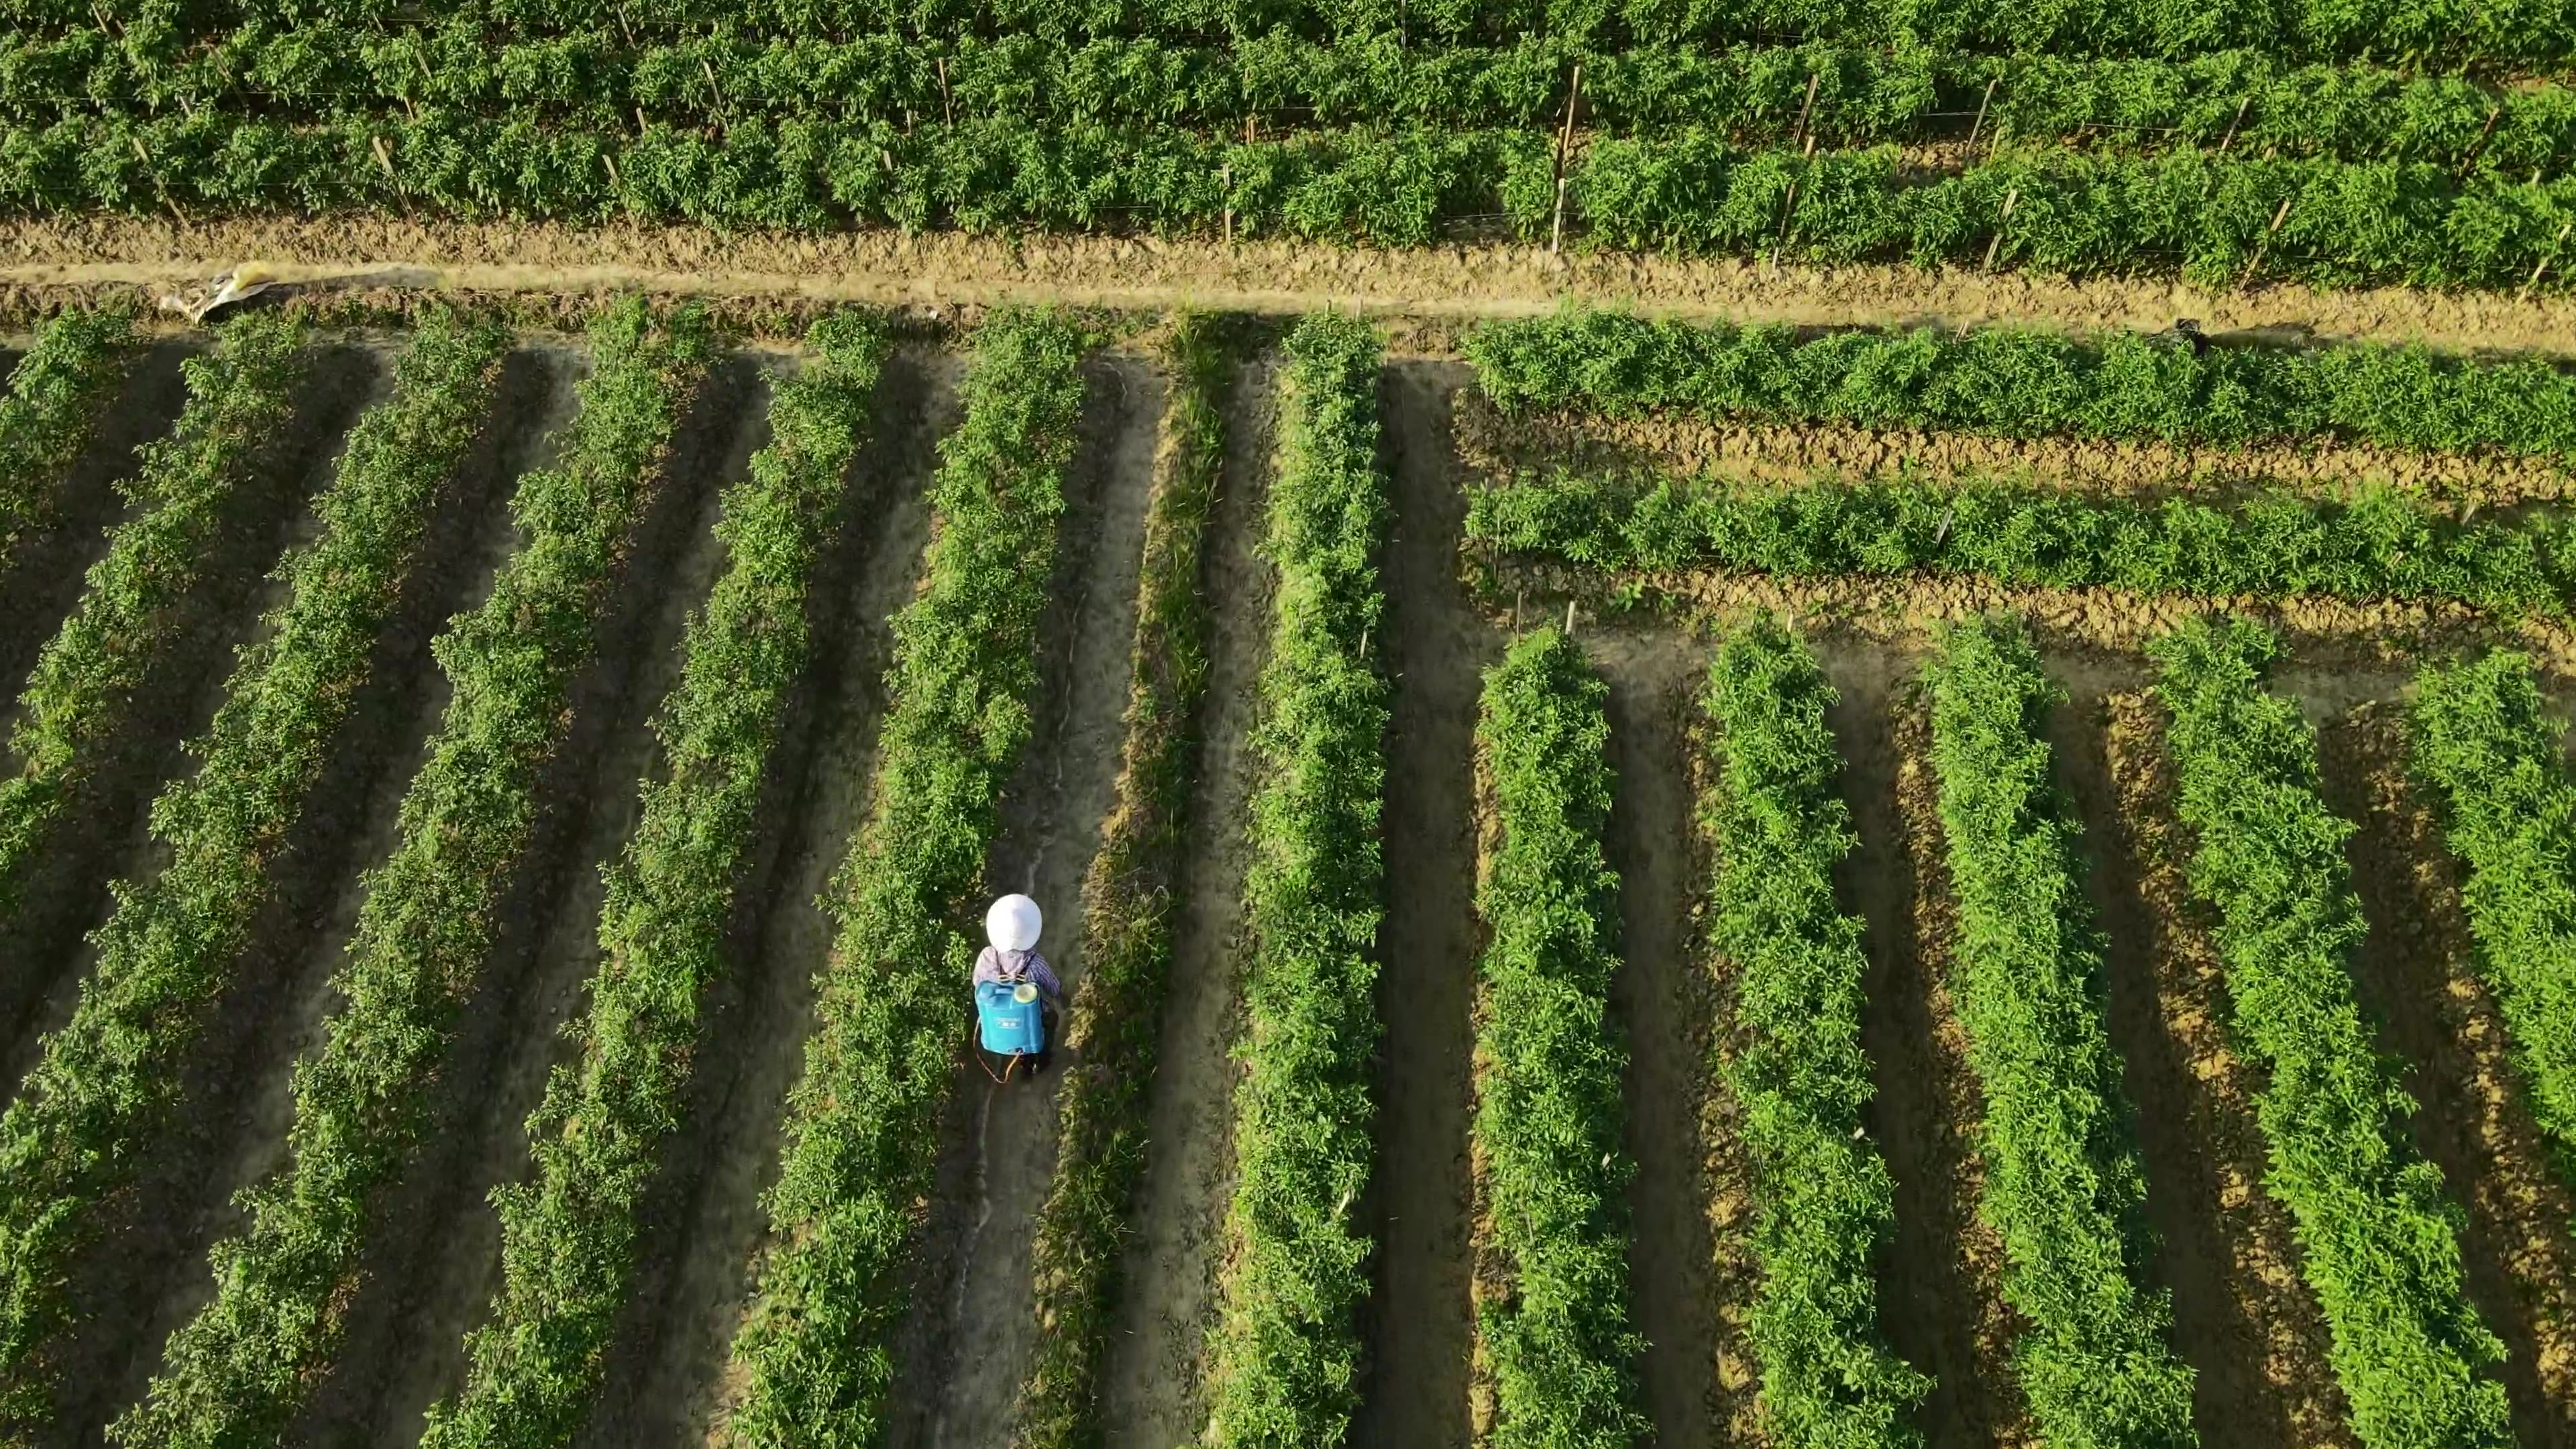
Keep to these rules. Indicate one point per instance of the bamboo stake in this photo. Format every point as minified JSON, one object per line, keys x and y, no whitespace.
{"x":947,"y":105}
{"x":1556,"y":229}
{"x":2230,"y":138}
{"x":1565,"y":132}
{"x":1569,"y":618}
{"x":2265,"y":244}
{"x":2545,"y":258}
{"x":1225,"y":178}
{"x":2470,"y":161}
{"x":1980,"y":127}
{"x":1808,"y":107}
{"x":2012,"y":199}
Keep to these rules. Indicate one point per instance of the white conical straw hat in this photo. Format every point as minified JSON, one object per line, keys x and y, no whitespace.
{"x":1011,"y":923}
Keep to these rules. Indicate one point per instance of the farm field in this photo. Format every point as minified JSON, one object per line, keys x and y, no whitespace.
{"x":1801,"y":725}
{"x":1618,"y":882}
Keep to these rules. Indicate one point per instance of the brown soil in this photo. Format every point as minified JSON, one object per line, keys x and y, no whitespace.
{"x":1688,"y":1277}
{"x":433,"y":1259}
{"x":2416,"y":972}
{"x":1941,"y":1297}
{"x":1795,"y":453}
{"x":945,"y":269}
{"x":702,"y":1221}
{"x":1417,"y":1323}
{"x":970,"y":1345}
{"x":1150,"y":1371}
{"x":2242,"y":1318}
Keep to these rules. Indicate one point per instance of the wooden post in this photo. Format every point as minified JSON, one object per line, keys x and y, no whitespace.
{"x":2230,"y":138}
{"x":2264,"y":245}
{"x":2012,"y":199}
{"x":1979,"y":128}
{"x":1808,"y":107}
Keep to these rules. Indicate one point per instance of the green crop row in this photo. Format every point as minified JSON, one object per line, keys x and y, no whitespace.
{"x":568,"y":1234}
{"x":2215,"y":219}
{"x":2447,"y":35}
{"x":2379,"y":1241}
{"x":2376,"y":546}
{"x":132,"y":609}
{"x":2379,"y":1238}
{"x":2484,"y":740}
{"x":1824,"y":1205}
{"x":1552,"y":1326}
{"x":56,"y":393}
{"x":1114,"y":1022}
{"x":812,"y":1356}
{"x":1286,"y":1347}
{"x":2023,"y":384}
{"x":235,"y":1373}
{"x":2240,"y":99}
{"x":109,"y":1077}
{"x":2063,"y":1186}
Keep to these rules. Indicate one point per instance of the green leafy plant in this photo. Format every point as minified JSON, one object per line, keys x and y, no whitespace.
{"x":2064,"y":1185}
{"x":132,"y":610}
{"x":2376,"y":546}
{"x":1129,"y":897}
{"x":2484,"y":739}
{"x":57,"y":393}
{"x":862,"y":1128}
{"x":2379,"y":1242}
{"x":1824,"y":1203}
{"x":235,"y":1373}
{"x":1285,"y":1350}
{"x":1554,"y":1331}
{"x":568,"y":1235}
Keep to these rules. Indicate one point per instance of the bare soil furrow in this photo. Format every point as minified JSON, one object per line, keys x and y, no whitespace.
{"x":971,"y":1344}
{"x":1442,"y":283}
{"x":1150,"y":1395}
{"x":1417,"y":1324}
{"x":1789,"y":453}
{"x":702,"y":1221}
{"x":434,"y":1254}
{"x":1941,"y":1298}
{"x":2242,"y":1319}
{"x":2415,"y":971}
{"x":1688,"y":1208}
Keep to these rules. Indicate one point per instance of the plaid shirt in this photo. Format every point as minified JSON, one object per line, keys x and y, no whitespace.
{"x":1015,"y":966}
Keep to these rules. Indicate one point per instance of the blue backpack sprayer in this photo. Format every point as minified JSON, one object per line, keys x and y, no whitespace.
{"x":1010,"y":1013}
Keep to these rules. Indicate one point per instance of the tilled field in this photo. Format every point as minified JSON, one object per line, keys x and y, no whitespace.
{"x":938,"y":1303}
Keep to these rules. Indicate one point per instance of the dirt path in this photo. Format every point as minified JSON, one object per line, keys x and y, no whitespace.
{"x":434,"y":1254}
{"x":983,"y":1331}
{"x":1150,"y":1372}
{"x":1695,"y":1380}
{"x":240,"y":1086}
{"x":703,"y":1219}
{"x":2242,"y":1319}
{"x":1941,"y":1299}
{"x":944,"y":269}
{"x":2415,"y":973}
{"x":1417,"y":1323}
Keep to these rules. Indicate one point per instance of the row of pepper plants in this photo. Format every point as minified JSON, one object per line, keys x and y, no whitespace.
{"x":1553,"y":1335}
{"x":236,"y":1372}
{"x":106,"y":1080}
{"x":1824,"y":1203}
{"x":2216,"y":219}
{"x":2379,"y":1240}
{"x":2497,"y":761}
{"x":1842,"y":93}
{"x":134,"y":608}
{"x":2064,"y":1186}
{"x":1130,"y":902}
{"x":58,"y":394}
{"x":568,"y":1233}
{"x":2014,"y":383}
{"x":812,"y":1357}
{"x":1285,"y":1352}
{"x":2377,"y":545}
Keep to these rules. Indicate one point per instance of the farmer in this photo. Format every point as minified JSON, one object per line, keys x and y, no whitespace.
{"x":1015,"y":991}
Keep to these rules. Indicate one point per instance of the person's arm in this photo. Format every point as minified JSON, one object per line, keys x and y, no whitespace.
{"x":988,"y":966}
{"x":1044,"y":975}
